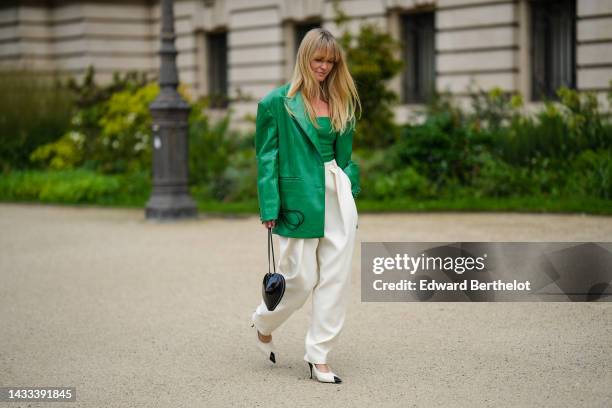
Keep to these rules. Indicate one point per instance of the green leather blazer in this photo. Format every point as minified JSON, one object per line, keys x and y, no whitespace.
{"x":290,"y":169}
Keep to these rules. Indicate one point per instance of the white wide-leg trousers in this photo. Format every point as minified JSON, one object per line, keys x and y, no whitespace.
{"x":321,"y":266}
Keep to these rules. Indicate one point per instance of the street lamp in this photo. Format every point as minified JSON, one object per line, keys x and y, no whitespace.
{"x":170,"y":197}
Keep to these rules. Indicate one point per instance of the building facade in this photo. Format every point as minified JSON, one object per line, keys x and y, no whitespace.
{"x":238,"y":50}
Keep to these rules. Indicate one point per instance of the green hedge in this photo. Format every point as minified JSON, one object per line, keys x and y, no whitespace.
{"x":34,"y":110}
{"x":78,"y":186}
{"x":87,"y":187}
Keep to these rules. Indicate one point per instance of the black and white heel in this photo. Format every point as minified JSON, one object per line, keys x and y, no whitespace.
{"x":328,"y":377}
{"x":268,"y":349}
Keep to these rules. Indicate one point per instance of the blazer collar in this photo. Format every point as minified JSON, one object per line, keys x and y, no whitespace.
{"x":296,"y":104}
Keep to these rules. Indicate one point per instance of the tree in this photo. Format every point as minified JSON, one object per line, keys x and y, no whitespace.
{"x":371,"y":60}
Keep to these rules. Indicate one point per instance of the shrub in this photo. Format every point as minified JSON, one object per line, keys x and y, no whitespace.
{"x":123,"y":145}
{"x":88,"y":94}
{"x":560,"y":131}
{"x":211,"y":149}
{"x":241,"y":176}
{"x":439,"y":149}
{"x":492,"y":110}
{"x":591,"y":174}
{"x":496,"y":178}
{"x":406,"y":182}
{"x":79,"y":186}
{"x":371,"y":58}
{"x":65,"y":153}
{"x":111,"y":137}
{"x":34,"y":110}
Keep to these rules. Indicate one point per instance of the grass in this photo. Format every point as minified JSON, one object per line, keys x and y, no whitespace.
{"x":486,"y":204}
{"x":531,"y":204}
{"x":82,"y":187}
{"x":74,"y":187}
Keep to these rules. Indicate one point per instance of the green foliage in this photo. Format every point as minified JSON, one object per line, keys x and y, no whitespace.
{"x":493,"y":110}
{"x":34,"y":110}
{"x":65,"y":153}
{"x":123,"y":145}
{"x":242,"y":175}
{"x":493,"y":177}
{"x":372,"y":62}
{"x":591,"y":174}
{"x":211,"y":147}
{"x":88,"y":94}
{"x":441,"y":149}
{"x":111,"y":136}
{"x":495,"y":150}
{"x":78,"y":186}
{"x":106,"y":118}
{"x":406,"y":182}
{"x":110,"y":133}
{"x":558,"y":132}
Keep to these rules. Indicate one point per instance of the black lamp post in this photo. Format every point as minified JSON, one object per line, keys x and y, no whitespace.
{"x":170,"y":197}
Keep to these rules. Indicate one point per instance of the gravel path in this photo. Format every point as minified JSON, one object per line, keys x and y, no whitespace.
{"x":136,"y":313}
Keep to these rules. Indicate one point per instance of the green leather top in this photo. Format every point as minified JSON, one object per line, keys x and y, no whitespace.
{"x":326,"y":138}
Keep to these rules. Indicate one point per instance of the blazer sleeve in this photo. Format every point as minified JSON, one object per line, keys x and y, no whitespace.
{"x":343,"y":150}
{"x":266,"y":151}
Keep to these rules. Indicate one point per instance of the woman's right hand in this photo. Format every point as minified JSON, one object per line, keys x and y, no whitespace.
{"x":269,"y":224}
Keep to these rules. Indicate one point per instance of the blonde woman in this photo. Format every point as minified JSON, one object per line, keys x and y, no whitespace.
{"x":306,"y":186}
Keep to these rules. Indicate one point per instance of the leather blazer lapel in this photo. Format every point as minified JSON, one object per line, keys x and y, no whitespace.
{"x":296,"y":104}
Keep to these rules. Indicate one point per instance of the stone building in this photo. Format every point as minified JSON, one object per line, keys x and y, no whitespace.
{"x":241,"y":49}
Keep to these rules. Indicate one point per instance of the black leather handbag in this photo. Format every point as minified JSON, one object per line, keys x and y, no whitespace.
{"x":273,"y":287}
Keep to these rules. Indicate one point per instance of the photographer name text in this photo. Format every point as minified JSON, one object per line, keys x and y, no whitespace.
{"x":422,"y":263}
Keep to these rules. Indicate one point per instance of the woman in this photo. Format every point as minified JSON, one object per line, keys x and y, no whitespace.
{"x":306,"y":188}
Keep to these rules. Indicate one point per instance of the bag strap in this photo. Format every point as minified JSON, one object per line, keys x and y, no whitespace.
{"x":271,"y":244}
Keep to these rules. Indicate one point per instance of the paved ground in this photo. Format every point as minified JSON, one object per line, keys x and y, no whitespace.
{"x":141,"y":314}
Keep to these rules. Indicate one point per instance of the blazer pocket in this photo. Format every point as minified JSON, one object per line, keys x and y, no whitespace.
{"x":290,"y":183}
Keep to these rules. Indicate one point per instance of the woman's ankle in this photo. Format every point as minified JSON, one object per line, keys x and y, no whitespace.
{"x":263,"y":338}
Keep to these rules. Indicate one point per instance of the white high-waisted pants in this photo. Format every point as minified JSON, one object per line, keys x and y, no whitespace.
{"x":321,"y":266}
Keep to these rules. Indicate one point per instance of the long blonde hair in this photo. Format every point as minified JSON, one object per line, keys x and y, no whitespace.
{"x":338,"y":89}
